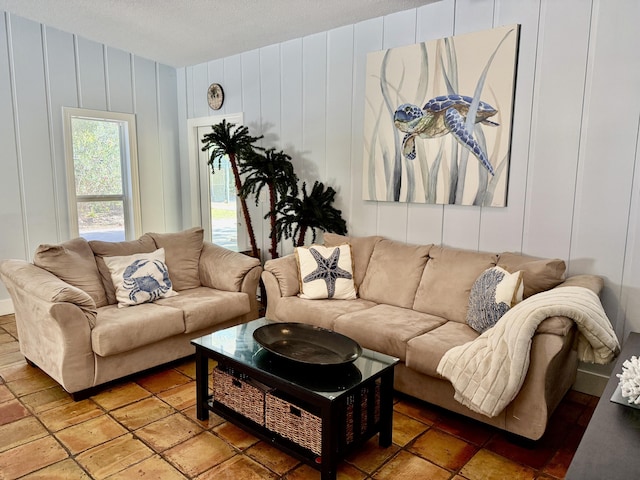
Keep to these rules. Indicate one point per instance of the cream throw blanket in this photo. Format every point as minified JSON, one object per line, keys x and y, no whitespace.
{"x":487,"y":373}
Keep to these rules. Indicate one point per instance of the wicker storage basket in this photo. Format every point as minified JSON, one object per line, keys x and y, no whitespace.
{"x":305,"y":428}
{"x":240,"y":393}
{"x":294,"y":423}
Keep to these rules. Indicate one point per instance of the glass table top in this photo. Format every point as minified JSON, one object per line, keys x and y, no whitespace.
{"x":237,"y":343}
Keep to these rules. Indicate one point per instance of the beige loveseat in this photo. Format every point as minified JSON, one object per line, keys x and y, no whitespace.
{"x":69,"y":323}
{"x":412,"y":304}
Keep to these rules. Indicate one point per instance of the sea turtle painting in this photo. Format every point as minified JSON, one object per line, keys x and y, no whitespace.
{"x":440,"y":116}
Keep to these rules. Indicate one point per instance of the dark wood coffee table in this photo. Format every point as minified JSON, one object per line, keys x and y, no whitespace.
{"x":609,"y":448}
{"x":335,"y":394}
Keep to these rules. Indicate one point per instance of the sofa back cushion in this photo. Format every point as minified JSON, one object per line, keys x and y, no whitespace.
{"x":74,"y":263}
{"x":361,"y":250}
{"x":394,"y":273}
{"x":538,"y":274}
{"x":447,"y":280}
{"x":101,"y":249}
{"x":182,"y":256}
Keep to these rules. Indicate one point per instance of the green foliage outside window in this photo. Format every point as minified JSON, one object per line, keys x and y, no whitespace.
{"x":96,"y":157}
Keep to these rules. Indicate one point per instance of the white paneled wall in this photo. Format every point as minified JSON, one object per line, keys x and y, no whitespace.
{"x":574,"y":176}
{"x":43,"y":69}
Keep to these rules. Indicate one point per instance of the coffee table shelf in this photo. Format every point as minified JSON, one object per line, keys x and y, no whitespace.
{"x":335,"y":396}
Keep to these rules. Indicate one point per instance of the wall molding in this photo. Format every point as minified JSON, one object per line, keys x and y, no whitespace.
{"x":590,"y":383}
{"x":6,"y":307}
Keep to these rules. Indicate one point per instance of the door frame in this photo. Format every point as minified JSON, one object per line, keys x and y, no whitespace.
{"x":199,"y":175}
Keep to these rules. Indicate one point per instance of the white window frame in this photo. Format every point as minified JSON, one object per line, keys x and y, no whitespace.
{"x":129,"y":157}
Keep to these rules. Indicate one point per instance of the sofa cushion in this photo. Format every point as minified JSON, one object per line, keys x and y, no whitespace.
{"x":144,"y":244}
{"x":447,"y":280}
{"x":538,"y":274}
{"x":204,"y":307}
{"x":74,"y":263}
{"x":493,"y":293}
{"x":140,"y":278}
{"x":326,"y":272}
{"x":321,"y":313}
{"x":425,"y":351}
{"x":120,"y":330}
{"x":385,"y":328}
{"x":182,"y":254}
{"x":394,"y":272}
{"x":361,"y":250}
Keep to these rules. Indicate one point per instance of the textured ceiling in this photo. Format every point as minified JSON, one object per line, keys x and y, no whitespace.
{"x":188,"y":32}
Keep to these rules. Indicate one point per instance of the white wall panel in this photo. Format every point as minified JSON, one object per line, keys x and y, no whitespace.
{"x":200,"y":84}
{"x":607,"y":166}
{"x":291,"y":104}
{"x":363,"y":216}
{"x":338,"y":114}
{"x":314,"y":111}
{"x":149,"y":160}
{"x":13,"y":242}
{"x":251,"y":110}
{"x":251,"y":91}
{"x":33,"y":133}
{"x":232,"y":82}
{"x":62,"y":92}
{"x":169,"y":147}
{"x":120,"y":83}
{"x":91,"y":72}
{"x":555,"y":131}
{"x":501,"y":228}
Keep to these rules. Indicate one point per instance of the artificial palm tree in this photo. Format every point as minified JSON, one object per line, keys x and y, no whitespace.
{"x":236,"y":145}
{"x":314,"y":211}
{"x":273,"y":170}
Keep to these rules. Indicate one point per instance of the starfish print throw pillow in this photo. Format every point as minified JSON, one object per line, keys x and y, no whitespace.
{"x":326,"y":272}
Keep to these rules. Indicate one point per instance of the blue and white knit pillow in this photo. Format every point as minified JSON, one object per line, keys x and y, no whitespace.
{"x":140,"y":278}
{"x":493,"y":293}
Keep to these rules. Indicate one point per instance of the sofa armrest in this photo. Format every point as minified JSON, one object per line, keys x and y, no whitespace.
{"x":224,"y":269}
{"x":562,"y":326}
{"x":592,"y":282}
{"x":37,"y":282}
{"x":285,"y":271}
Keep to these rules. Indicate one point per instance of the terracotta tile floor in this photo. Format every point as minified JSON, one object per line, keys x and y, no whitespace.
{"x":147,"y":427}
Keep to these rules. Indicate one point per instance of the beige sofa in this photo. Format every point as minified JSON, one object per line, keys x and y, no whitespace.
{"x":69,"y":323}
{"x":412,"y":304}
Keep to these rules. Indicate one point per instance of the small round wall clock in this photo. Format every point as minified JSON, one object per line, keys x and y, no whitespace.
{"x":215,"y":96}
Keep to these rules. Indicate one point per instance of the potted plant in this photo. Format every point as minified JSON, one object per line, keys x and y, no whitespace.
{"x":273,"y":170}
{"x":313,"y":211}
{"x":237,"y":144}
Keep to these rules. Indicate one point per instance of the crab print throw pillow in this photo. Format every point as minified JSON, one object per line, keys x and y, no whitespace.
{"x":140,"y":278}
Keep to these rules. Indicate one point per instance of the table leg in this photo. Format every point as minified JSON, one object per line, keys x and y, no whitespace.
{"x":330,"y":429}
{"x":386,"y":409}
{"x":202,"y":385}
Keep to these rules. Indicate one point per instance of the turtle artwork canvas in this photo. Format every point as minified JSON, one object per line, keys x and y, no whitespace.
{"x":438,"y":120}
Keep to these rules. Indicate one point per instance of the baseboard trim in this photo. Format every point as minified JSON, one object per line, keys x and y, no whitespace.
{"x":590,"y":383}
{"x":6,"y":307}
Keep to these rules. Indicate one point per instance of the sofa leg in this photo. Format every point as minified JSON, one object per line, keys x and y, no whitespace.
{"x":83,"y":394}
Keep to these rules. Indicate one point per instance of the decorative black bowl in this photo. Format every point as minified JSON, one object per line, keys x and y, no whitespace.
{"x":307,"y":343}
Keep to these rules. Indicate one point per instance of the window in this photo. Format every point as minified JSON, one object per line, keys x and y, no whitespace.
{"x":102,"y":174}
